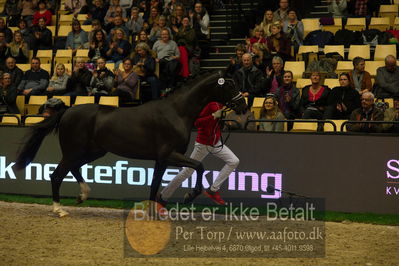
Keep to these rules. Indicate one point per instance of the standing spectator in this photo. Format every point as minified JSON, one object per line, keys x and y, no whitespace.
{"x":13,"y":12}
{"x":3,"y":49}
{"x":281,"y":14}
{"x":359,"y":78}
{"x":267,"y":22}
{"x":41,"y":37}
{"x":102,"y":80}
{"x":28,"y":8}
{"x":126,"y":82}
{"x":43,"y":12}
{"x":392,"y":114}
{"x":270,"y":110}
{"x":387,"y":79}
{"x":8,"y":96}
{"x":342,"y":100}
{"x":249,"y":79}
{"x":16,"y":72}
{"x":314,"y":98}
{"x":200,"y":21}
{"x":274,"y":75}
{"x":168,"y":56}
{"x":278,"y":43}
{"x":35,"y":80}
{"x":58,"y":82}
{"x":261,"y":56}
{"x":186,"y":35}
{"x":236,"y":62}
{"x":293,"y":28}
{"x":98,"y":46}
{"x":80,"y":79}
{"x":289,"y":97}
{"x":367,"y":112}
{"x":338,"y":8}
{"x":176,"y":18}
{"x":77,"y":38}
{"x":144,"y":61}
{"x":18,"y":49}
{"x":135,"y":22}
{"x":258,"y":37}
{"x":76,"y":7}
{"x":119,"y":47}
{"x":4,"y":29}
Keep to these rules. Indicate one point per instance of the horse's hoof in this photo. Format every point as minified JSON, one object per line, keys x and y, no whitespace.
{"x":79,"y":200}
{"x":57,"y":210}
{"x":85,"y":191}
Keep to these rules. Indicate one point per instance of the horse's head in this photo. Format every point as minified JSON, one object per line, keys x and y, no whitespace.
{"x":230,"y":95}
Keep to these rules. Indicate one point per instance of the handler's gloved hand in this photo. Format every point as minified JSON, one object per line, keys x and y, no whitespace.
{"x":217,"y":114}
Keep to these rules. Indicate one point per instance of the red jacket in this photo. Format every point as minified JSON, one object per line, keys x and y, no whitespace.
{"x":208,"y":127}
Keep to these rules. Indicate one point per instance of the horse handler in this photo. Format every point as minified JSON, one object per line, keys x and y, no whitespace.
{"x":207,"y":141}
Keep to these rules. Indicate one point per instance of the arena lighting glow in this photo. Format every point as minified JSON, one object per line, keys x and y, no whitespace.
{"x":121,"y":173}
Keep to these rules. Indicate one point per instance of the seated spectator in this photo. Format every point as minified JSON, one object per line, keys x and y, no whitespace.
{"x":126,"y":82}
{"x":43,"y":12}
{"x":96,"y":25}
{"x":98,"y":46}
{"x":156,"y":29}
{"x":270,"y":110}
{"x":76,"y":7}
{"x":117,"y":23}
{"x":359,"y":8}
{"x":4,"y":29}
{"x":392,"y":114}
{"x":387,"y":79}
{"x":239,"y":121}
{"x":96,"y":12}
{"x":58,"y":83}
{"x":13,"y":12}
{"x":278,"y":43}
{"x":135,"y":23}
{"x":342,"y":100}
{"x":114,"y":10}
{"x":41,"y":37}
{"x":274,"y":76}
{"x":144,"y":66}
{"x":80,"y":79}
{"x":18,"y":49}
{"x":168,"y":56}
{"x":77,"y":38}
{"x":28,"y":8}
{"x":258,"y":37}
{"x":3,"y":49}
{"x":293,"y":28}
{"x":338,"y":8}
{"x":176,"y":17}
{"x":186,"y":35}
{"x":142,"y":37}
{"x":314,"y":98}
{"x":359,"y":78}
{"x":8,"y":96}
{"x":267,"y":22}
{"x":249,"y":79}
{"x":236,"y":62}
{"x":126,"y":4}
{"x":16,"y":72}
{"x":119,"y":48}
{"x":289,"y":97}
{"x":102,"y":80}
{"x":153,"y":17}
{"x":35,"y":80}
{"x":25,"y":31}
{"x":281,"y":14}
{"x":367,"y":112}
{"x":261,"y":56}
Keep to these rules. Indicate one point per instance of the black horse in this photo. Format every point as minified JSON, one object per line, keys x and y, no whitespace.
{"x":158,"y":130}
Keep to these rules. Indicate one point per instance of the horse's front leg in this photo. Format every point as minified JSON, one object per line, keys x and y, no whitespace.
{"x":157,"y":178}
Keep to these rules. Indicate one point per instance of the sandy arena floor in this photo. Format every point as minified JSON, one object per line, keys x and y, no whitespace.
{"x":31,"y":235}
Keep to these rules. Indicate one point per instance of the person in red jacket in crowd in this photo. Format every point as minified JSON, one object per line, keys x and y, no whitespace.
{"x":43,"y":12}
{"x":207,"y":141}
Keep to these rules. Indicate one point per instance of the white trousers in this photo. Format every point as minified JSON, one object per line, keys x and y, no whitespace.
{"x":199,"y":153}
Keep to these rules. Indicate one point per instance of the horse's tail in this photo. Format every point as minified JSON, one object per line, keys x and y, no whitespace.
{"x":34,"y":139}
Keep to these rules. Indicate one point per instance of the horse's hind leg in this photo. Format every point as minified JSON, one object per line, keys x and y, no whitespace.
{"x":84,"y":187}
{"x":56,"y":179}
{"x":157,"y":178}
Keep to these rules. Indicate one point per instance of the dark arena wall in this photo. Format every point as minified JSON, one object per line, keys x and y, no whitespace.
{"x":352,"y":173}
